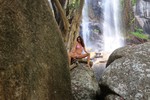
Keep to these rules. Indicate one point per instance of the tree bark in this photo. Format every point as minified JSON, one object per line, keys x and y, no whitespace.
{"x":72,"y":17}
{"x":63,"y":15}
{"x":128,"y":16}
{"x":33,"y":59}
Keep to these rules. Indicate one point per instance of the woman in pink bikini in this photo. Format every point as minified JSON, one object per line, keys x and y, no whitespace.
{"x":77,"y":50}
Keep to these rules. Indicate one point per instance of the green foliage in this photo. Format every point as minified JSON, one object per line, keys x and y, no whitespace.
{"x":139,"y":33}
{"x":133,"y":2}
{"x":74,"y":4}
{"x":95,"y":30}
{"x":122,"y":3}
{"x":132,"y":21}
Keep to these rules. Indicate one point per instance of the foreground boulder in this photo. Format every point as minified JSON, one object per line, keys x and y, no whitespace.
{"x":84,"y":84}
{"x":33,"y":59}
{"x":128,"y":73}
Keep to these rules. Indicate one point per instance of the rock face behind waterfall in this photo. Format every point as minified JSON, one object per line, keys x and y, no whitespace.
{"x":33,"y":60}
{"x":84,"y":84}
{"x":142,"y":12}
{"x":128,"y":73}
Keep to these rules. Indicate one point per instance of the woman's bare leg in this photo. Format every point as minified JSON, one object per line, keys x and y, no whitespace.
{"x":88,"y":58}
{"x":71,"y":55}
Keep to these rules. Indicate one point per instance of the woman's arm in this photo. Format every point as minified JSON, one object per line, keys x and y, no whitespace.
{"x":85,"y":50}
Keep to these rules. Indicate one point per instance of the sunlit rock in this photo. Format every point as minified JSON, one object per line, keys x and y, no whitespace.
{"x":128,"y":72}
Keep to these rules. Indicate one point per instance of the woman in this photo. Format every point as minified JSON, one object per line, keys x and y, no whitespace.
{"x":77,"y":50}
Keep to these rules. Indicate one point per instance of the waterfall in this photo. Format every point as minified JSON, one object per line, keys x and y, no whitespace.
{"x":112,"y":33}
{"x":91,"y":37}
{"x":85,"y":24}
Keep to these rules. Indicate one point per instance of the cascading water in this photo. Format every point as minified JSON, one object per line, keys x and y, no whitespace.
{"x":112,"y":34}
{"x":85,"y":24}
{"x":91,"y":36}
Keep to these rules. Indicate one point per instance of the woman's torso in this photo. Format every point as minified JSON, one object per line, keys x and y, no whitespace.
{"x":79,"y":48}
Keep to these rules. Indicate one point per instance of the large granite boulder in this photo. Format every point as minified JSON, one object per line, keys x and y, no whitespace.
{"x":128,"y":73}
{"x":33,"y":59}
{"x":84,"y":84}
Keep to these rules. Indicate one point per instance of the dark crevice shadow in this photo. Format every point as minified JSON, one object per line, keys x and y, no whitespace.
{"x":105,"y":91}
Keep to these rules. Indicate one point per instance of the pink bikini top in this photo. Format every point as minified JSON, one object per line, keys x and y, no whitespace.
{"x":78,"y":46}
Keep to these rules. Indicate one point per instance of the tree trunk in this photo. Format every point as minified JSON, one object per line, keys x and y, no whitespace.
{"x":73,"y":16}
{"x":33,"y":59}
{"x":128,"y":17}
{"x":63,"y":16}
{"x":75,"y":24}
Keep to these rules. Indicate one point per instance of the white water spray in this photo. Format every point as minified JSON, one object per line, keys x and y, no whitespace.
{"x":112,"y":33}
{"x":85,"y":24}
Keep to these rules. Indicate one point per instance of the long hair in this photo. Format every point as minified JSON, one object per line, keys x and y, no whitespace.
{"x":81,"y":41}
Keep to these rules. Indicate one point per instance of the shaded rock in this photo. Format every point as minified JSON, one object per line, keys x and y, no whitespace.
{"x":98,"y":70}
{"x":33,"y":59}
{"x":135,"y":40}
{"x":106,"y":92}
{"x":75,"y":62}
{"x":128,"y":72}
{"x":84,"y":84}
{"x":113,"y":97}
{"x":142,"y":11}
{"x":146,"y":26}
